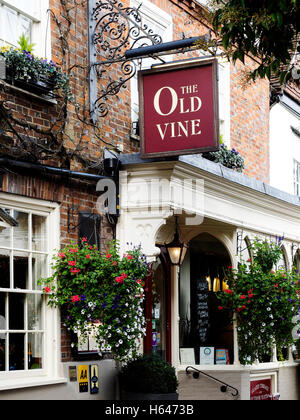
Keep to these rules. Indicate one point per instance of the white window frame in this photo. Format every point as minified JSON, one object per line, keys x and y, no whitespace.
{"x":51,"y":371}
{"x":40,"y":32}
{"x":296,"y":177}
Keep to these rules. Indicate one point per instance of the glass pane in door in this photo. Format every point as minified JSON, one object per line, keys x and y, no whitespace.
{"x":159,"y":320}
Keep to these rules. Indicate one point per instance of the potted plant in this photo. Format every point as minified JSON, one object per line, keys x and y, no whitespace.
{"x":37,"y":75}
{"x":230,"y":158}
{"x":148,"y":377}
{"x":265,"y":301}
{"x":102,"y":293}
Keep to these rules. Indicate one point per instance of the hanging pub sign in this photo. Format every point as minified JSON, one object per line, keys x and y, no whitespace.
{"x":179,"y":109}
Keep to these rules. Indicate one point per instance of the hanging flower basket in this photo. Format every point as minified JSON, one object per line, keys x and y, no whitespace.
{"x":103,"y":292}
{"x":266,"y":303}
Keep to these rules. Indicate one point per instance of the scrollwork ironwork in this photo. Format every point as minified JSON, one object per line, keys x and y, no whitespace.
{"x":113,"y":29}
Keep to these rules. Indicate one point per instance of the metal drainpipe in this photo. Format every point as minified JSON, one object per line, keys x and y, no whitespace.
{"x":51,"y":170}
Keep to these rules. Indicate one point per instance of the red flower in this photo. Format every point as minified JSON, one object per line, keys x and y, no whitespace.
{"x":114,"y":263}
{"x":124,"y":275}
{"x":84,"y":239}
{"x":47,"y":289}
{"x":88,"y":256}
{"x":108,"y":256}
{"x":220,"y":308}
{"x":229,"y":291}
{"x":73,"y":250}
{"x":61,"y":254}
{"x":75,"y":270}
{"x":75,"y":298}
{"x":243,"y":297}
{"x":72,"y":263}
{"x":230,"y":267}
{"x":272,"y":271}
{"x":129,"y":257}
{"x":276,"y":285}
{"x":249,"y":260}
{"x":139,"y":281}
{"x":119,"y":279}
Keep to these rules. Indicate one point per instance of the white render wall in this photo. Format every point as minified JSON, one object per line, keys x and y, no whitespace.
{"x":284,"y":147}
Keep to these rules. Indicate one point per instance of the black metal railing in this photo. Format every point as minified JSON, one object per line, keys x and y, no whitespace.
{"x":224,"y":386}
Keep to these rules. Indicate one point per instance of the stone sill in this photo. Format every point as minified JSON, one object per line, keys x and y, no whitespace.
{"x":9,"y":384}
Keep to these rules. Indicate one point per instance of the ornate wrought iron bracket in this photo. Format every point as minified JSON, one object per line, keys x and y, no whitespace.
{"x":113,"y":31}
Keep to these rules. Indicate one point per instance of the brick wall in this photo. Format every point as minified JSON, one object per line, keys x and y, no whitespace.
{"x":249,"y":124}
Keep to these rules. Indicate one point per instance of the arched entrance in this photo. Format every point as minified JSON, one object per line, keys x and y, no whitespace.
{"x":202,"y":277}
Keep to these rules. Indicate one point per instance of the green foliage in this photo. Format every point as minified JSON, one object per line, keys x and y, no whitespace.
{"x":229,"y":158}
{"x":265,"y":29}
{"x":265,"y":303}
{"x":148,"y":374}
{"x":26,"y":67}
{"x":24,"y":44}
{"x":100,"y":293}
{"x":266,"y":254}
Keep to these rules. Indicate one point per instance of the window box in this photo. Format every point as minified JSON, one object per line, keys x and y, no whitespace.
{"x":39,"y":87}
{"x":31,"y":73}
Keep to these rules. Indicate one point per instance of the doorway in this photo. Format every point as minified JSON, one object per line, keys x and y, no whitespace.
{"x":158,"y":311}
{"x":202,"y":277}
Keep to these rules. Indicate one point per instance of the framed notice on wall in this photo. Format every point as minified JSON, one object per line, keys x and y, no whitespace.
{"x":179,"y":109}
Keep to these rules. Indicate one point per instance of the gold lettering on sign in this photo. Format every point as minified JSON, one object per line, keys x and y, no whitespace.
{"x":174,"y":129}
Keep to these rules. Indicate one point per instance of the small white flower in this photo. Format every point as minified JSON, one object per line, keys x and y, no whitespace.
{"x":268,"y":309}
{"x":120,"y":341}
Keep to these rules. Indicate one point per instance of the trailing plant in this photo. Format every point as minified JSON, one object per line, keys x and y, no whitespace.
{"x":227,"y":157}
{"x":102,"y":294}
{"x":148,"y":374}
{"x":265,"y":303}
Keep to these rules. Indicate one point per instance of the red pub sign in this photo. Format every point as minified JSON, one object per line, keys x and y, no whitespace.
{"x":179,"y":109}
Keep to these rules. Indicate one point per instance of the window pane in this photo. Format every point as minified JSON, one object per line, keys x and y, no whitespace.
{"x":21,"y":270}
{"x":2,"y":334}
{"x":16,"y":351}
{"x":35,"y":351}
{"x":2,"y":312}
{"x":20,"y":233}
{"x":16,"y":311}
{"x":39,"y":233}
{"x":25,"y":27}
{"x":4,"y":271}
{"x":2,"y":351}
{"x":11,"y":25}
{"x":5,"y":234}
{"x":34,"y":312}
{"x":39,"y":269}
